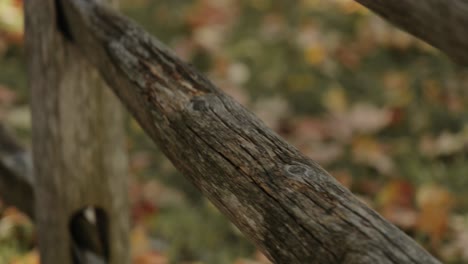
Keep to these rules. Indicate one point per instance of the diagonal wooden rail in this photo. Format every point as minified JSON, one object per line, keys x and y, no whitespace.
{"x":440,"y":23}
{"x":292,"y":209}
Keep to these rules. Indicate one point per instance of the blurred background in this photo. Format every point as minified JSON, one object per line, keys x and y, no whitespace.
{"x":385,"y":113}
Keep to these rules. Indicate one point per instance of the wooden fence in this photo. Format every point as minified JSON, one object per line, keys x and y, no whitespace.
{"x":285,"y":203}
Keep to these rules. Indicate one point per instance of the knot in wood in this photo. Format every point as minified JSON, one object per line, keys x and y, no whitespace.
{"x":198,"y":104}
{"x":296,"y":171}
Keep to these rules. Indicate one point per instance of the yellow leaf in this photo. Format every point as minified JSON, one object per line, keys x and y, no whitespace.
{"x":350,"y":6}
{"x":397,"y":87}
{"x":11,"y":17}
{"x":435,"y":203}
{"x":30,"y":258}
{"x":310,"y":4}
{"x":260,"y":4}
{"x":335,"y":100}
{"x":139,"y":241}
{"x":315,"y":54}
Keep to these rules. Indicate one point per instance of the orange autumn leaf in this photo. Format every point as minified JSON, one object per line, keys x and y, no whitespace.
{"x":30,"y":258}
{"x":150,"y":258}
{"x":395,"y":201}
{"x":435,"y":205}
{"x":139,"y":241}
{"x":260,"y":257}
{"x":350,"y":6}
{"x":396,"y":192}
{"x":344,"y":177}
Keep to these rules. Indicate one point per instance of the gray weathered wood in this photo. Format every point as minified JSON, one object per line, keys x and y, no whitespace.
{"x":78,"y":139}
{"x":17,"y":180}
{"x":441,"y":23}
{"x":292,"y":209}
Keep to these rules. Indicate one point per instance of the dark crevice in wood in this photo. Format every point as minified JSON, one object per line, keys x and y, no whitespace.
{"x":61,"y":21}
{"x":89,"y":231}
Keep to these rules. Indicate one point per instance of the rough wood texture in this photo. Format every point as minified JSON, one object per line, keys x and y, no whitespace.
{"x":78,"y":139}
{"x":17,"y":181}
{"x":441,"y":23}
{"x":284,"y":202}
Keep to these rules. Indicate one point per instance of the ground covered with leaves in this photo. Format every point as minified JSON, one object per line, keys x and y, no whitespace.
{"x":385,"y":113}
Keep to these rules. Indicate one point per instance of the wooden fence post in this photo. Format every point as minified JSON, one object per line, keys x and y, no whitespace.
{"x":78,"y":143}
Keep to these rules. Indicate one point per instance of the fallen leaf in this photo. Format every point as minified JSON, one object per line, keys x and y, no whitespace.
{"x":7,"y":96}
{"x":334,"y":99}
{"x":139,"y":241}
{"x":397,"y":88}
{"x":445,"y":144}
{"x":310,"y":129}
{"x":323,"y":153}
{"x":367,"y":118}
{"x":405,"y":218}
{"x":396,"y":203}
{"x":150,"y":258}
{"x":11,"y":20}
{"x":368,"y":151}
{"x":31,"y":257}
{"x":344,"y":177}
{"x":261,"y":258}
{"x":238,"y":73}
{"x":396,"y":192}
{"x":315,"y":53}
{"x":435,"y":204}
{"x":456,"y":248}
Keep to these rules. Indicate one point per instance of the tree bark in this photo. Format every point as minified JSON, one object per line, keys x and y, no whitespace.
{"x":441,"y":23}
{"x":78,"y":140}
{"x":292,"y":209}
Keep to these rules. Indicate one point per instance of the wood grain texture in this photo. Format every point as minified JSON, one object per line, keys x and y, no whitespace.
{"x":292,"y":209}
{"x":441,"y":23}
{"x":78,"y":139}
{"x":17,"y":182}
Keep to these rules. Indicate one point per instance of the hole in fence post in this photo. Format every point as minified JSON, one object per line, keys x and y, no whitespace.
{"x":61,"y":21}
{"x":198,"y":104}
{"x":89,"y":232}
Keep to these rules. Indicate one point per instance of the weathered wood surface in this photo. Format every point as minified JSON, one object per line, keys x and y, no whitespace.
{"x":441,"y":23}
{"x":78,"y":139}
{"x":292,"y":209}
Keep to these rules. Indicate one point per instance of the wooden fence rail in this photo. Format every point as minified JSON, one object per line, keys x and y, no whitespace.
{"x":292,"y":209}
{"x":283,"y":201}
